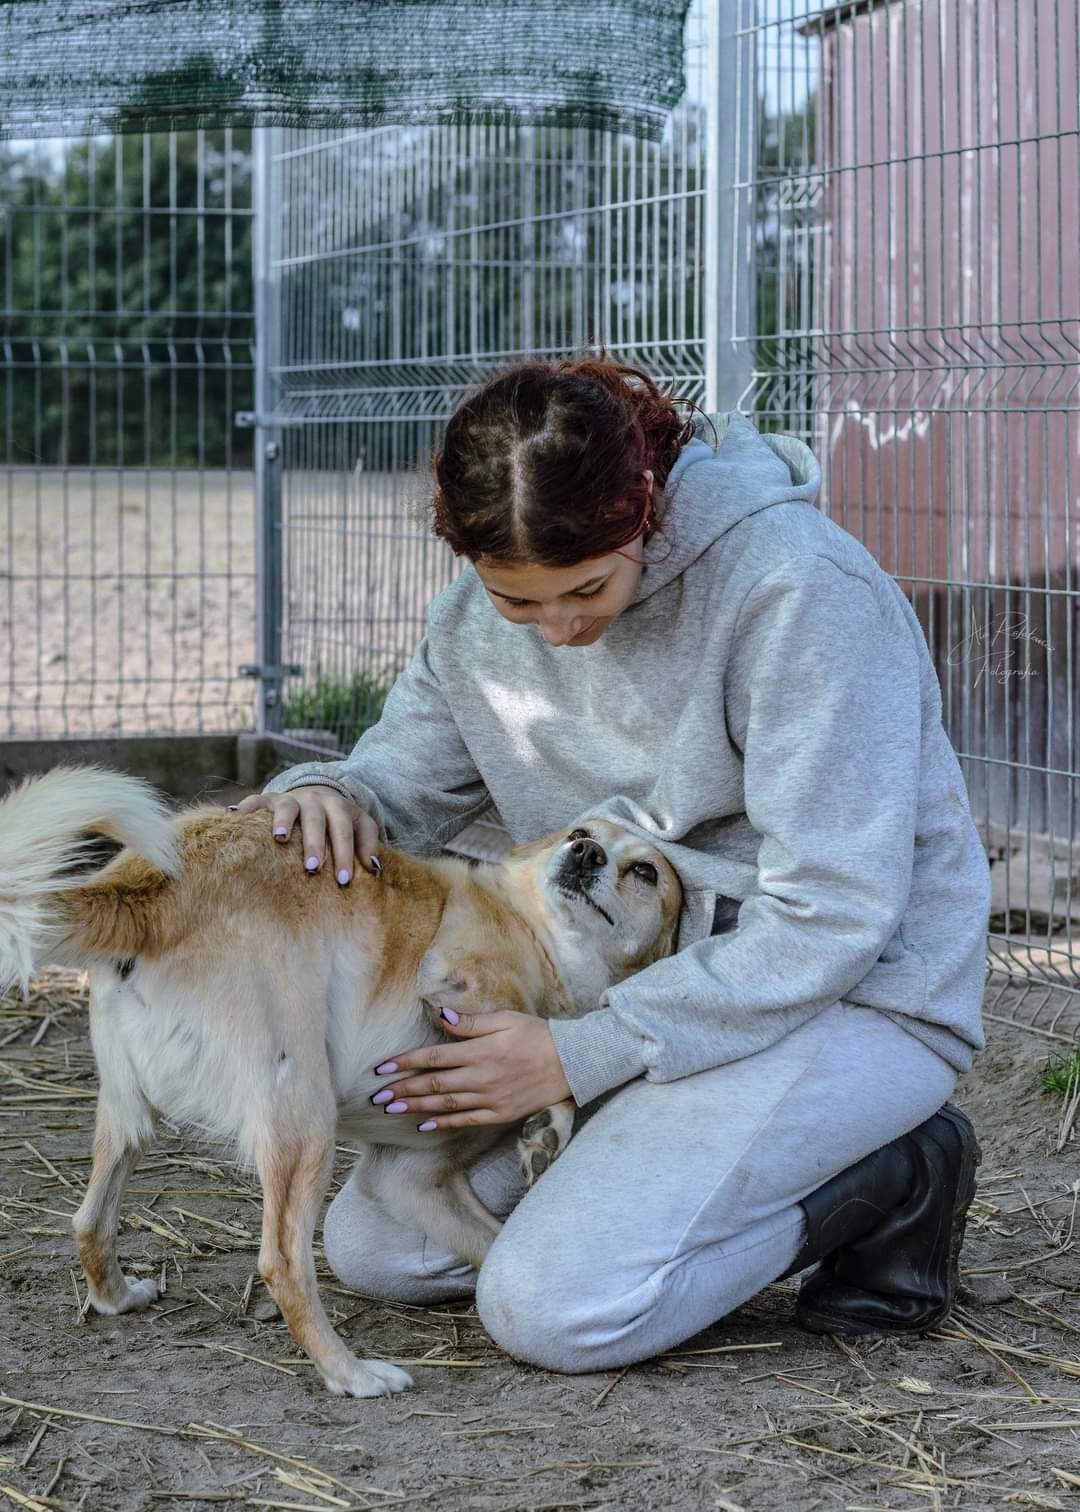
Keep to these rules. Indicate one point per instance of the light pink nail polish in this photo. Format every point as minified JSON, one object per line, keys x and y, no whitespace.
{"x":450,"y":1015}
{"x":312,"y":863}
{"x":384,"y":1096}
{"x":427,"y":1126}
{"x":343,"y":876}
{"x":396,"y":1107}
{"x":280,"y":832}
{"x":386,"y":1068}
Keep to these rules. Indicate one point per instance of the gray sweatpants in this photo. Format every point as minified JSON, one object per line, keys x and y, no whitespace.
{"x":672,"y":1204}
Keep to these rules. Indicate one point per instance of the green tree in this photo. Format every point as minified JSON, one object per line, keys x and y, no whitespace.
{"x":127,"y":300}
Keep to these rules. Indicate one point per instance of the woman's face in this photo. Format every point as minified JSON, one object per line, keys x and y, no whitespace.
{"x":572,"y":605}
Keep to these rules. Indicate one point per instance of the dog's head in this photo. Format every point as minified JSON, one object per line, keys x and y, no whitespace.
{"x":603,"y":892}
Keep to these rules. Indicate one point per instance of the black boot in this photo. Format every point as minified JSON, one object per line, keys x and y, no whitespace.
{"x":888,"y":1233}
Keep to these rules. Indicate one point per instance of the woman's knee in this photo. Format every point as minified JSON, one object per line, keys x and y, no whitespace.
{"x":551,"y":1318}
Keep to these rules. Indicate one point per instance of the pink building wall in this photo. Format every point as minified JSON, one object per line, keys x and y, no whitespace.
{"x":948,"y":302}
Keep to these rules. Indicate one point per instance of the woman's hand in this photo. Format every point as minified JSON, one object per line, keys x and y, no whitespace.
{"x":505,"y":1068}
{"x":321,"y":811}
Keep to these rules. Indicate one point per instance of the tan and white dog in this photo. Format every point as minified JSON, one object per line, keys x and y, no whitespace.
{"x":235,"y":993}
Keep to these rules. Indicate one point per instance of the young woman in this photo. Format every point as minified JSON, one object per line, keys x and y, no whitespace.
{"x":657,"y":626}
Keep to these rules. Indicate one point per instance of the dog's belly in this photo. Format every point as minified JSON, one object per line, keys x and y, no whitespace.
{"x":212,"y":1061}
{"x":369,"y":1125}
{"x":361,"y":1036}
{"x":362,"y":1119}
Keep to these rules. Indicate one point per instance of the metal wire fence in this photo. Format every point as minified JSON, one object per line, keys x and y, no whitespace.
{"x":862,"y":225}
{"x":405,"y":264}
{"x":913,"y":198}
{"x":126,"y":496}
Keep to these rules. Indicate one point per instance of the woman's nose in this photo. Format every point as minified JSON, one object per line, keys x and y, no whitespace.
{"x":557,"y":630}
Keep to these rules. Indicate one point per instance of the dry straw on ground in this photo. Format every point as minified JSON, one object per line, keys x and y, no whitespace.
{"x":203,"y":1402}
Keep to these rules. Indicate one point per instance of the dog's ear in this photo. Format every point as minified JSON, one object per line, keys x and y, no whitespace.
{"x":536,"y":847}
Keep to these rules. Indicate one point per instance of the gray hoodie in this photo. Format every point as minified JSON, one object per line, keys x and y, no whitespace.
{"x":766,"y":712}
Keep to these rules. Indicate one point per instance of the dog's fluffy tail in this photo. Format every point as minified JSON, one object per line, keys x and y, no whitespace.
{"x":43,"y":824}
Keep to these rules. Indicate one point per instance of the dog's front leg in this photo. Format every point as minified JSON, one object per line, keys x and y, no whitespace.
{"x":431,"y":1192}
{"x":543,"y":1138}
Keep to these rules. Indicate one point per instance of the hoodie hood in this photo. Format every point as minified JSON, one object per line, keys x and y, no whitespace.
{"x":711,"y":487}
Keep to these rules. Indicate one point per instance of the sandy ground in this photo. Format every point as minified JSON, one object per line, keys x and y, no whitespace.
{"x":212,"y":1407}
{"x":127,"y":597}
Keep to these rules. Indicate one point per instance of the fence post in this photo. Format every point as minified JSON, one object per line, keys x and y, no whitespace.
{"x":268,"y":460}
{"x":730,"y":140}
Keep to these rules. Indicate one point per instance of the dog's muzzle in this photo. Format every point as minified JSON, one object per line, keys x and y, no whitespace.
{"x":580,"y":868}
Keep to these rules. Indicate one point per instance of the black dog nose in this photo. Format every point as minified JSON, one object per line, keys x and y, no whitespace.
{"x":588,"y":855}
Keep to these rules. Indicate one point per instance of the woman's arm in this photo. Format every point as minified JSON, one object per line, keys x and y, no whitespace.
{"x":822,"y":697}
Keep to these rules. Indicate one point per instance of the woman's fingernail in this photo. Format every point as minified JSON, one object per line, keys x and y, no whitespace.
{"x":279,"y":834}
{"x":449,"y":1015}
{"x":376,"y":866}
{"x":312,"y":863}
{"x":396,"y":1107}
{"x":231,"y":808}
{"x":384,"y":1096}
{"x":386,"y":1068}
{"x":343,"y":876}
{"x":427,"y":1126}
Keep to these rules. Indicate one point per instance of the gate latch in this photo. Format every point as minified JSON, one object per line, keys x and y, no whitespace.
{"x":255,"y":669}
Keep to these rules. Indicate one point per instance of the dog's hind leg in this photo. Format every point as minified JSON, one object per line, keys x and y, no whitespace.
{"x":295,"y":1172}
{"x":98,"y":1219}
{"x":436,"y":1198}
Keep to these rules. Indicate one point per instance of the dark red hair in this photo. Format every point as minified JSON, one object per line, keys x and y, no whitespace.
{"x":544,"y":462}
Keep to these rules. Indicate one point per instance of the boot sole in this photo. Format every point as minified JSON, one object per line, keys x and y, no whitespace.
{"x":971,"y":1157}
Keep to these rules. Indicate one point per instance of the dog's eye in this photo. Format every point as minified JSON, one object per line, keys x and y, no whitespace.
{"x":646,"y":871}
{"x":579,"y":834}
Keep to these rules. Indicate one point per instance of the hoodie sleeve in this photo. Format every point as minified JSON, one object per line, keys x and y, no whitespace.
{"x":412,"y":770}
{"x":822,"y":698}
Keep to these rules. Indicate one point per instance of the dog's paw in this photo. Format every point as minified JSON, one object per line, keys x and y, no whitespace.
{"x":136,"y":1296}
{"x":370,"y":1378}
{"x":542,"y":1139}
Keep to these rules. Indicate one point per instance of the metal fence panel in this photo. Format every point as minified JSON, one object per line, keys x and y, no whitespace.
{"x":126,"y":496}
{"x":411,"y":263}
{"x":862,"y":225}
{"x":917,"y":320}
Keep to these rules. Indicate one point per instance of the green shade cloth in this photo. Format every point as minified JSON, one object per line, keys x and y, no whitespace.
{"x":75,"y":69}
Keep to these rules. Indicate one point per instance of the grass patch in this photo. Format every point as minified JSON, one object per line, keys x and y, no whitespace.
{"x":1061,"y":1074}
{"x":347,"y":707}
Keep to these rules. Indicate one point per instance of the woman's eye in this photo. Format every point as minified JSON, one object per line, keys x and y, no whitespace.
{"x":646,"y":871}
{"x":593,"y":593}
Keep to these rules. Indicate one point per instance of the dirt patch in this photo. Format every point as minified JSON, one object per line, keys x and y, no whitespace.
{"x":219,"y":1411}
